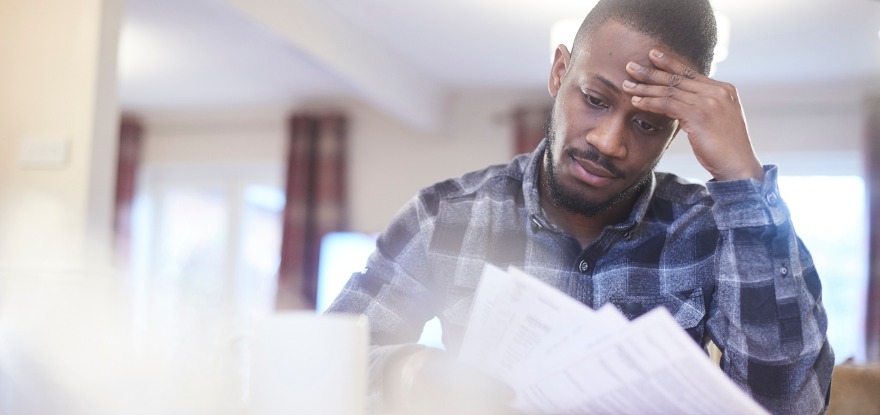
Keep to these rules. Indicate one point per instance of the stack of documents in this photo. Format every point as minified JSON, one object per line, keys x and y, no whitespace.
{"x":562,"y":357}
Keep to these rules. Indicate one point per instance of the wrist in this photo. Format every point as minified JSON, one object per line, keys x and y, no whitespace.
{"x":752,"y":171}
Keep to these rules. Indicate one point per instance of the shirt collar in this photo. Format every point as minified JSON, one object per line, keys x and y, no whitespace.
{"x":532,"y":196}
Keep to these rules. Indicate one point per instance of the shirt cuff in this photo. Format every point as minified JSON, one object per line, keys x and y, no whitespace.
{"x":748,"y":202}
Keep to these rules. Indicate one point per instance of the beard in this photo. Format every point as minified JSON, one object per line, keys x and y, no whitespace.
{"x":574,"y":200}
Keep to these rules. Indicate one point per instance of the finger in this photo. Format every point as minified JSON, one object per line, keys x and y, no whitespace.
{"x":703,"y":85}
{"x":657,"y":91}
{"x":667,"y":106}
{"x":672,"y":65}
{"x":655,"y":76}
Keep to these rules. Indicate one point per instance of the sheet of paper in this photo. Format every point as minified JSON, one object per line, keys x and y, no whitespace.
{"x":492,"y":284}
{"x":513,"y":313}
{"x":568,"y":344}
{"x":650,"y":367}
{"x":561,"y":357}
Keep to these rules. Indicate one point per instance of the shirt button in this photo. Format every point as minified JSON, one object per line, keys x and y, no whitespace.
{"x":584,"y":266}
{"x":772,"y":198}
{"x":783,"y":270}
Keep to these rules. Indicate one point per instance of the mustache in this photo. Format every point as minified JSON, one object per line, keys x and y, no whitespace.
{"x":595,"y":156}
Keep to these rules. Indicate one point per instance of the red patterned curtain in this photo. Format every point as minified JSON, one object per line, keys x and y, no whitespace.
{"x":872,"y":150}
{"x":316,"y":203}
{"x":130,"y":144}
{"x":529,"y":127}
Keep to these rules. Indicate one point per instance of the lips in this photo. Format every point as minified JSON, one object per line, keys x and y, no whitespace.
{"x":592,"y":173}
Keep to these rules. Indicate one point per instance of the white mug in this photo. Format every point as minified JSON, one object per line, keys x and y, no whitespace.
{"x":305,"y":363}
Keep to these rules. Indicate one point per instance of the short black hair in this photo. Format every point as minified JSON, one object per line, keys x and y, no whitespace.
{"x":686,"y":26}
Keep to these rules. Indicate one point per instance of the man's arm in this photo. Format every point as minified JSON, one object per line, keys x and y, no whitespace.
{"x":398,"y":293}
{"x":396,"y":301}
{"x":766,"y":315}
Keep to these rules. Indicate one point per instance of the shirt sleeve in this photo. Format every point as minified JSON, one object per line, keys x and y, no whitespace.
{"x":767,"y":315}
{"x":395,"y":293}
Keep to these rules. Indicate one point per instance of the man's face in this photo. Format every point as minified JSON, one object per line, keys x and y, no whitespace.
{"x":601,"y":148}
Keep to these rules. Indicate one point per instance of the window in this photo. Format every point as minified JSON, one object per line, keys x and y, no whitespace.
{"x":206,"y":243}
{"x":344,"y":253}
{"x":829,"y":215}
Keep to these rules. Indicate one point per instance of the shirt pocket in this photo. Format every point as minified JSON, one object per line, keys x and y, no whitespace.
{"x":688,"y":308}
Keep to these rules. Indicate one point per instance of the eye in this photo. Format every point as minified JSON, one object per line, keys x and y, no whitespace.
{"x":596,"y":102}
{"x":644,"y":125}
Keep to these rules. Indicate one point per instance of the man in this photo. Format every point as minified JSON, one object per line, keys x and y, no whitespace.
{"x":586,"y":213}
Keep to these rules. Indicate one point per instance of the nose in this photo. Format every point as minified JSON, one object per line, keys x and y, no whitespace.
{"x":608,"y":137}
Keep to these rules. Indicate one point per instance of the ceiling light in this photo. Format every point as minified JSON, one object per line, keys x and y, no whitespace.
{"x":141,"y":54}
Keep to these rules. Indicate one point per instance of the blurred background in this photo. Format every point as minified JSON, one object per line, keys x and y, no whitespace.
{"x":171,"y":171}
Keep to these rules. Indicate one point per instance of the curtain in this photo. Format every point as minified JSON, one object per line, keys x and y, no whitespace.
{"x":529,"y":125}
{"x":316,"y":203}
{"x":872,"y":151}
{"x":128,"y":161}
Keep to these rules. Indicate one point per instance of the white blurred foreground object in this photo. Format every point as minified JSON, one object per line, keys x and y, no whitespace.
{"x":308,"y":364}
{"x":63,"y":343}
{"x":73,"y":343}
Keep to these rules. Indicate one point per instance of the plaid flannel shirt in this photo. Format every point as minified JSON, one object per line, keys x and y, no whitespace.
{"x":722,"y":258}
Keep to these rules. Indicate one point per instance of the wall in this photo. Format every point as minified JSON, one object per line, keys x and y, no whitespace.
{"x":390,"y":162}
{"x":59,"y":333}
{"x":251,"y":136}
{"x":58,"y":87}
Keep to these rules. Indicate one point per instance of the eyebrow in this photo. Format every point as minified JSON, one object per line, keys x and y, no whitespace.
{"x":606,"y":82}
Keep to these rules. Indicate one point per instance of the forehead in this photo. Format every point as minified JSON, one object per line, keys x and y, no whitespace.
{"x":612,"y":45}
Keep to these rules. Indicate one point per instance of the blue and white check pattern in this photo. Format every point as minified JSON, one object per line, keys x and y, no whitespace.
{"x":722,"y":258}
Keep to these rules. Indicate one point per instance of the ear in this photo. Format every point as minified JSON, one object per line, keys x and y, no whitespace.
{"x":561,"y":60}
